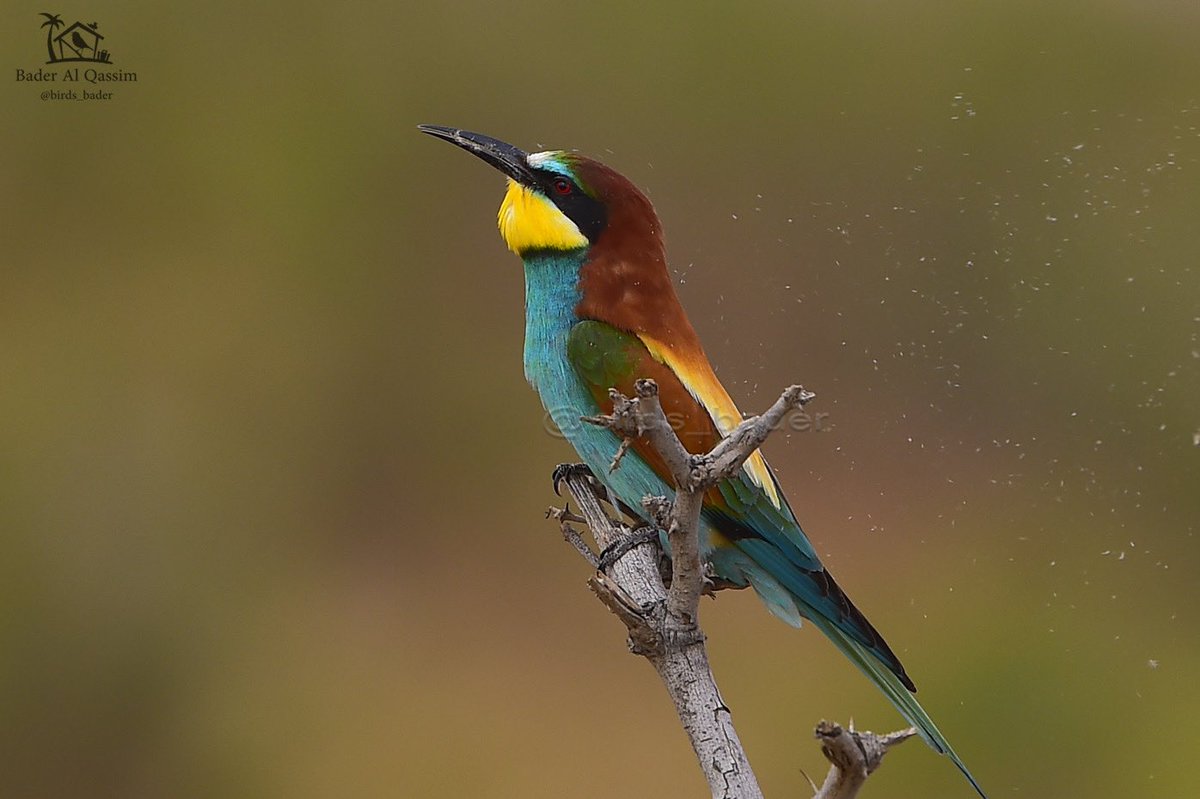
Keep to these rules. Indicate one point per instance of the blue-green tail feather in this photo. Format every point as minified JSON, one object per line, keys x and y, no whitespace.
{"x":789,"y":592}
{"x":896,"y":693}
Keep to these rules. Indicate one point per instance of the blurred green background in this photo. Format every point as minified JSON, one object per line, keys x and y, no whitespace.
{"x":272,"y":484}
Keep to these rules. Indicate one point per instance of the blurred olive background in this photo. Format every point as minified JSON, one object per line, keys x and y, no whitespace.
{"x":272,"y":484}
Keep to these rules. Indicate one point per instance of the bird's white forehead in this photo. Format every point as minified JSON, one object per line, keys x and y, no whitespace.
{"x":551,"y":160}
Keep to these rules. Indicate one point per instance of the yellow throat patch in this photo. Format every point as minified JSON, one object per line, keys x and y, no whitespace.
{"x":529,"y":221}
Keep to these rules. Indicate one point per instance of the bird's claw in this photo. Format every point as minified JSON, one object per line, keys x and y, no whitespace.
{"x":564,"y":470}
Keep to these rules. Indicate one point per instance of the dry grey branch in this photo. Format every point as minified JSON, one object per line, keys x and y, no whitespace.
{"x":732,"y":451}
{"x":635,"y":593}
{"x":663,"y":623}
{"x":571,"y":535}
{"x":854,"y":757}
{"x":642,"y":416}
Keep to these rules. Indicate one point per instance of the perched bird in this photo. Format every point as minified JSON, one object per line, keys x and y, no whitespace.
{"x":601,"y":312}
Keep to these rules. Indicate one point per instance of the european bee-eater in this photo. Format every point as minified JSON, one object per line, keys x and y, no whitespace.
{"x":601,"y":312}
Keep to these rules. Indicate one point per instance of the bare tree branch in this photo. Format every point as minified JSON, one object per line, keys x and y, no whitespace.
{"x":642,"y":416}
{"x":663,"y":623}
{"x":572,"y":536}
{"x":732,"y":451}
{"x":635,"y":593}
{"x":854,"y":755}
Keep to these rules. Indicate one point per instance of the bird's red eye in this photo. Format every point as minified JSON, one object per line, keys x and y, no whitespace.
{"x":562,"y":186}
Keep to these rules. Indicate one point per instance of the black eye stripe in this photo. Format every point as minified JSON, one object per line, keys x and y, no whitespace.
{"x":588,"y":213}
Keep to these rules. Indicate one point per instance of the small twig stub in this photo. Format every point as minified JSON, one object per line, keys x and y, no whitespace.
{"x":853,"y":756}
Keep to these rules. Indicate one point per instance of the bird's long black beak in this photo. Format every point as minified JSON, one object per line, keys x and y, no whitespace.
{"x":510,"y":160}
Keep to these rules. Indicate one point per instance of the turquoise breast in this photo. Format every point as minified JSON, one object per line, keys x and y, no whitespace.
{"x":551,"y":295}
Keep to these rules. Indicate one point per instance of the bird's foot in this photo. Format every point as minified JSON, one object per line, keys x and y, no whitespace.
{"x":564,"y":470}
{"x":614,"y":552}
